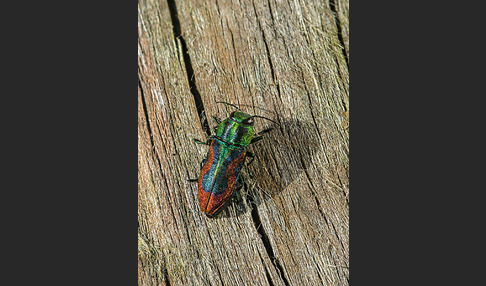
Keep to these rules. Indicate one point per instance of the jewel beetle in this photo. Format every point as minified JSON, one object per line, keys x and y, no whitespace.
{"x":220,"y":170}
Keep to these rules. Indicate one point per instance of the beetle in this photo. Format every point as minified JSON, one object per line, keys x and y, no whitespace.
{"x":220,"y":170}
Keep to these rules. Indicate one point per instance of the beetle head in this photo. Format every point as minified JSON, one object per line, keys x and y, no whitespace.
{"x":242,"y":117}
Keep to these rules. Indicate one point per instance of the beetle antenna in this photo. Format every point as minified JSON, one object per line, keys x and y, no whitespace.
{"x":229,"y":104}
{"x":264,"y":118}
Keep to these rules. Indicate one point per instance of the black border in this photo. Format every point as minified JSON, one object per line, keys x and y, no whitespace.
{"x":414,"y":143}
{"x":71,"y":142}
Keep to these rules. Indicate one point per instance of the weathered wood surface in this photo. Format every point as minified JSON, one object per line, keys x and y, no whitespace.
{"x":286,"y":60}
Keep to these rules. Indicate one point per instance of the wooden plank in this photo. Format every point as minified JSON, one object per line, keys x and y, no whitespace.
{"x":282,"y":60}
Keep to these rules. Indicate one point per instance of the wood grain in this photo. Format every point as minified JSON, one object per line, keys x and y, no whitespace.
{"x":285,"y":60}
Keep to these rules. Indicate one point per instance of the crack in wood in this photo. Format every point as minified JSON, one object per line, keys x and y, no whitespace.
{"x":332,"y":5}
{"x":144,"y":106}
{"x":166,"y":277}
{"x":266,"y":242}
{"x":267,"y":274}
{"x":191,"y":77}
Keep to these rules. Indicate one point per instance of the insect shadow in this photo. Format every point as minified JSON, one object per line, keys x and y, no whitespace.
{"x":280,"y":158}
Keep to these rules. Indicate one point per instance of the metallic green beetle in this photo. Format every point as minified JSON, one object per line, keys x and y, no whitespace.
{"x":220,"y":172}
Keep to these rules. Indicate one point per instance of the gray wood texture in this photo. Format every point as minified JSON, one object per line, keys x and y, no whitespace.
{"x":285,"y":60}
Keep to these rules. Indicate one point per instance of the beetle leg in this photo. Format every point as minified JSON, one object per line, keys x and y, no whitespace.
{"x":256,"y":139}
{"x":265,"y":131}
{"x":259,"y":135}
{"x":217,"y":120}
{"x":201,"y":142}
{"x":208,"y":140}
{"x":238,"y":186}
{"x":248,"y":170}
{"x":203,"y":162}
{"x":250,"y":155}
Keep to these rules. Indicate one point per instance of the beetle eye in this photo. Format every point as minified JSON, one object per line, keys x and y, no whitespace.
{"x":232,"y":115}
{"x":248,"y":121}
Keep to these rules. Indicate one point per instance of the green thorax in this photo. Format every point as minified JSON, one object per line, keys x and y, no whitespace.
{"x":236,"y":129}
